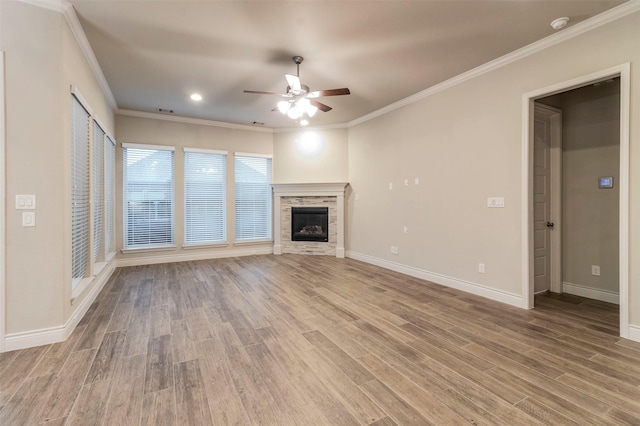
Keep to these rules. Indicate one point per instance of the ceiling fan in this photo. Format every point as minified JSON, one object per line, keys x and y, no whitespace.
{"x":298,"y":99}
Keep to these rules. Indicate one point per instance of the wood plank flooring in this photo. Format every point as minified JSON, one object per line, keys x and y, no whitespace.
{"x":310,"y":340}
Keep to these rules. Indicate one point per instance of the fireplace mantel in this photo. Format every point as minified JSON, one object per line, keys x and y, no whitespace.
{"x":334,"y":189}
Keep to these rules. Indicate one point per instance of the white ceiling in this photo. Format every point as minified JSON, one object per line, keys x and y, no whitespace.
{"x":154,"y":53}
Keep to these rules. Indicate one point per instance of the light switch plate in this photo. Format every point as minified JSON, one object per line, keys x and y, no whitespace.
{"x":28,"y":218}
{"x":495,"y":202}
{"x":25,"y":202}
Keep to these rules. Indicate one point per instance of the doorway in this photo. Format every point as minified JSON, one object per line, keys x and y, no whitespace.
{"x":537,"y":237}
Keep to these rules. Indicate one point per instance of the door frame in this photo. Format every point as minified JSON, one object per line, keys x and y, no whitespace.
{"x":3,"y":219}
{"x":622,"y":71}
{"x":555,"y":193}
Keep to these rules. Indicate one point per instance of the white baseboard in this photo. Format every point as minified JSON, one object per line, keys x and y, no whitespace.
{"x":634,"y":333}
{"x":466,"y":286}
{"x":591,"y":293}
{"x":185,"y":257}
{"x":47,"y":336}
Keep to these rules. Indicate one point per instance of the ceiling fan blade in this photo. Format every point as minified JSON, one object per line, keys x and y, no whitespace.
{"x":322,"y":107}
{"x":293,"y":81}
{"x":266,"y":93}
{"x":329,"y":92}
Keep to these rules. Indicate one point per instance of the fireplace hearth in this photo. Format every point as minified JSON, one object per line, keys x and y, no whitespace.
{"x":310,"y":224}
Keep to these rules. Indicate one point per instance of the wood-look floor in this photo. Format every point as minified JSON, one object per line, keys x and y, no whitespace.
{"x":304,"y":340}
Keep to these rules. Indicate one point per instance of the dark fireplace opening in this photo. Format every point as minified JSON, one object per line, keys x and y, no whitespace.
{"x":310,"y":224}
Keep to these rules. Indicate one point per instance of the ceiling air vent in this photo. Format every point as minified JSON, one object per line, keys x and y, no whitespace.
{"x":258,"y":123}
{"x":164,"y":110}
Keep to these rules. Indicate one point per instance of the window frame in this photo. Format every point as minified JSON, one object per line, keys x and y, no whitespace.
{"x":128,"y":248}
{"x":222,"y":199}
{"x":268,"y":197}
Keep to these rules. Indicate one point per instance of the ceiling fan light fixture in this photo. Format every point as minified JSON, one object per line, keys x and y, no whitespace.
{"x":294,"y":113}
{"x":283,"y":106}
{"x":311,"y":110}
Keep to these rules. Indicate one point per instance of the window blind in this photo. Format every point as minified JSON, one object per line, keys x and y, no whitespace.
{"x":80,"y":191}
{"x":253,"y":197}
{"x":110,"y":193}
{"x":98,"y":192}
{"x":148,"y":197}
{"x":205,"y":196}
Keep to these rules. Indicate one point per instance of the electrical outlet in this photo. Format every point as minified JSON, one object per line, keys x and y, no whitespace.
{"x":405,"y":229}
{"x":390,"y":185}
{"x":481,"y":268}
{"x":406,"y":182}
{"x":595,"y":270}
{"x":357,"y":197}
{"x":394,"y":250}
{"x":416,"y":181}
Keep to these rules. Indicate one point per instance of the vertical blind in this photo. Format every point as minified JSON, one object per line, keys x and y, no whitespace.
{"x":148,"y":196}
{"x":205,"y":184}
{"x":253,"y":197}
{"x":80,"y":190}
{"x":98,"y":191}
{"x":110,"y":193}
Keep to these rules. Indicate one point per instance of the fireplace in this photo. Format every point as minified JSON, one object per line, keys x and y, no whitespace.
{"x":321,"y":195}
{"x":310,"y":224}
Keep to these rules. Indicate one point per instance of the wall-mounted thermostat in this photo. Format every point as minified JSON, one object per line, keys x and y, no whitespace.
{"x":605,"y":182}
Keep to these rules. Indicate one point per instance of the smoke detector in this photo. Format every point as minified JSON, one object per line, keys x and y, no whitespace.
{"x":559,"y":23}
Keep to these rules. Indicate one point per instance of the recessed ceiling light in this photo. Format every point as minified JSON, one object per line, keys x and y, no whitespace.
{"x":559,"y":23}
{"x":196,"y":97}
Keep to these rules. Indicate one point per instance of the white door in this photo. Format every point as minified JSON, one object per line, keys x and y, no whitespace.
{"x":546,"y":187}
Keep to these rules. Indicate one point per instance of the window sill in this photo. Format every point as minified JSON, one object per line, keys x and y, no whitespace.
{"x":147,"y":249}
{"x":80,"y":286}
{"x":205,"y":245}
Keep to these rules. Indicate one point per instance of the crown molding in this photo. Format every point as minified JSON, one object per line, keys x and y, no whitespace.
{"x":310,"y":128}
{"x":189,"y":120}
{"x":580,"y":28}
{"x":66,"y":8}
{"x":55,"y":5}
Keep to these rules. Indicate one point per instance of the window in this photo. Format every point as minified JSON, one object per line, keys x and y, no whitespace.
{"x":98,"y":192}
{"x":148,"y":196}
{"x":253,"y":197}
{"x":80,"y":191}
{"x":205,"y":181}
{"x":110,"y":194}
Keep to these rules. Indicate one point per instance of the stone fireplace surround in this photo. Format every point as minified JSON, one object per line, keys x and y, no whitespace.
{"x":286,"y":195}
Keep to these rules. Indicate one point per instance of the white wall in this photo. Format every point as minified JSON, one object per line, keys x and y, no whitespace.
{"x":310,"y":156}
{"x":591,"y":148}
{"x":464,"y":145}
{"x":155,"y":130}
{"x":43,"y":61}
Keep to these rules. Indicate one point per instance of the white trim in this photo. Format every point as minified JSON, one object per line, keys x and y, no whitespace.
{"x":633,"y":333}
{"x":78,"y":95}
{"x":533,"y":48}
{"x":591,"y":293}
{"x":195,"y":246}
{"x":466,"y":286}
{"x":46,"y":336}
{"x":32,"y":338}
{"x":55,"y":5}
{"x":185,"y":257}
{"x":87,"y":51}
{"x":247,"y":154}
{"x":331,"y":189}
{"x":3,"y":218}
{"x":624,"y":72}
{"x":145,"y":146}
{"x":205,"y":151}
{"x":311,"y":128}
{"x":189,"y":120}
